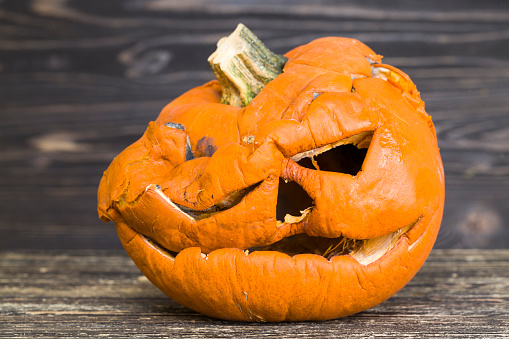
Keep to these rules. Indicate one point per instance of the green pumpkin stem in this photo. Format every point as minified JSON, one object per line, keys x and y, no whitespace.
{"x":243,"y":66}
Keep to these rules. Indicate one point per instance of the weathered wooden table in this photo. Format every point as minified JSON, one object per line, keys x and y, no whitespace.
{"x":57,"y":294}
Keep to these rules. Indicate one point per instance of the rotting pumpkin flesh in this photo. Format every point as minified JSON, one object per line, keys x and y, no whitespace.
{"x":195,"y":200}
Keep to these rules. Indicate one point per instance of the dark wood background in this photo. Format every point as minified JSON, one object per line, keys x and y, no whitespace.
{"x":79,"y":81}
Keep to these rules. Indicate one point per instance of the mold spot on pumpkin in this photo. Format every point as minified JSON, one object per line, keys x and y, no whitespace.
{"x":205,"y":147}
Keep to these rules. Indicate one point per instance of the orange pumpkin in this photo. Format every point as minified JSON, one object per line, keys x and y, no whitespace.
{"x":319,"y":198}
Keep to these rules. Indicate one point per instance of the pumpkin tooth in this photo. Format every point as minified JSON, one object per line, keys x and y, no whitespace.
{"x":314,"y":162}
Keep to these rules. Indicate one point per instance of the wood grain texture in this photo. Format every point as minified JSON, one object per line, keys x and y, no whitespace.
{"x":79,"y":81}
{"x":457,"y":294}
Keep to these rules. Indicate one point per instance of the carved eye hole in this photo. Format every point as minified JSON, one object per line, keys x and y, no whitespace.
{"x":346,"y":159}
{"x":344,"y":156}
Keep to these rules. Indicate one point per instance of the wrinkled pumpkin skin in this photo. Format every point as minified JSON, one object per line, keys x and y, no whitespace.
{"x":234,"y":148}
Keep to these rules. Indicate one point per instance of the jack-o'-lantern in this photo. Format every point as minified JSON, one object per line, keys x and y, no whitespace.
{"x":300,"y":187}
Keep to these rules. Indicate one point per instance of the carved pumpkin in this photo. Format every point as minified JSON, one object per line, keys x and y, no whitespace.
{"x":310,"y":193}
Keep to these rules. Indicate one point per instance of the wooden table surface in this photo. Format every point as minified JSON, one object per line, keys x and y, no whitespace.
{"x":79,"y":81}
{"x":61,"y":294}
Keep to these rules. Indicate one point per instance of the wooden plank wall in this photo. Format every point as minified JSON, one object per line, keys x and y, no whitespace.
{"x":79,"y":80}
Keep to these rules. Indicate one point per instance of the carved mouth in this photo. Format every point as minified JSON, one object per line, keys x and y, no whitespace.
{"x":364,"y":251}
